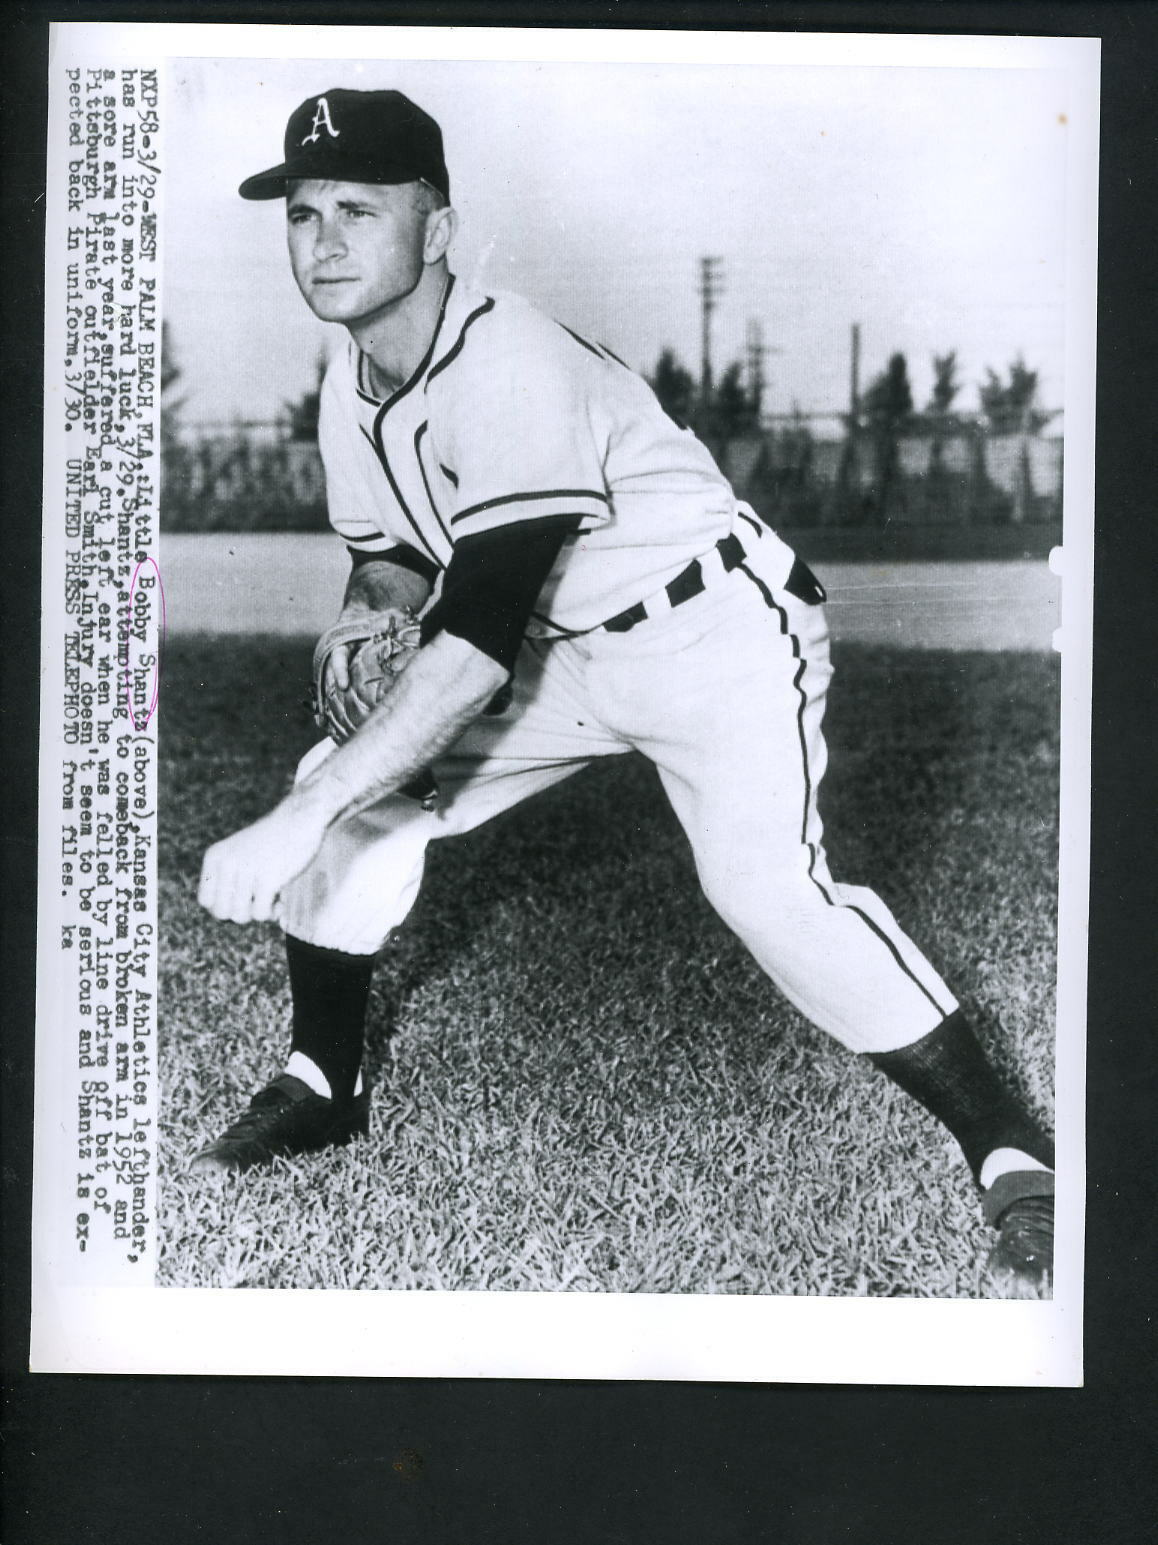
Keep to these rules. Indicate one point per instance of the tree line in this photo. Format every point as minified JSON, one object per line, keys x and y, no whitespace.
{"x":732,"y":408}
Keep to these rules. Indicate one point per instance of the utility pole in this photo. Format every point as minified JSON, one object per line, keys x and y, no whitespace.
{"x":854,"y":383}
{"x":849,"y":455}
{"x":711,"y":287}
{"x":757,"y":350}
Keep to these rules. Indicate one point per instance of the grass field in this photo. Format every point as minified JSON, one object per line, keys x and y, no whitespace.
{"x":583,"y":1082}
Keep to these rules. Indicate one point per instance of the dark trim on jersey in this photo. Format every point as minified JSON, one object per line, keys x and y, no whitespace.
{"x":600,"y":350}
{"x":590,"y":347}
{"x":756,"y":527}
{"x":361,"y":380}
{"x":375,"y":536}
{"x":426,"y":358}
{"x":380,"y":451}
{"x":547,"y":493}
{"x":797,"y":682}
{"x":451,"y":477}
{"x":407,"y":386}
{"x":456,"y":350}
{"x":418,"y":433}
{"x":376,"y":441}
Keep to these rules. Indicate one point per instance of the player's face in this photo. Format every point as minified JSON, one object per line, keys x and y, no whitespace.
{"x":355,"y":248}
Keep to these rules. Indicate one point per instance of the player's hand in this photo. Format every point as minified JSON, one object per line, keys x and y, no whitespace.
{"x":336,"y":693}
{"x":242,"y":876}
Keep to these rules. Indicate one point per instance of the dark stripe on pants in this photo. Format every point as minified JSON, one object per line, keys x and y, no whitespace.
{"x":798,"y":683}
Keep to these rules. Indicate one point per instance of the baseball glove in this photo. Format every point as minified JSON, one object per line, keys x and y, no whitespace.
{"x":378,"y":647}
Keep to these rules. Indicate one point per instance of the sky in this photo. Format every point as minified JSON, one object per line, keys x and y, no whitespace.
{"x":925,"y":204}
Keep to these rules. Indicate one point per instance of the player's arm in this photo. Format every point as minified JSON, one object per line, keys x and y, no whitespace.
{"x":442,"y":691}
{"x":471,"y":637}
{"x":399,"y":577}
{"x":490,"y":588}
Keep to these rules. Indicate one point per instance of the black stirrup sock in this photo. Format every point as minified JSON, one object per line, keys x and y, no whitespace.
{"x":330,"y":991}
{"x":949,"y":1073}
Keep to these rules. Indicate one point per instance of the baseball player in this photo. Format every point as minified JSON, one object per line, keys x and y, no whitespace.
{"x":517,"y":504}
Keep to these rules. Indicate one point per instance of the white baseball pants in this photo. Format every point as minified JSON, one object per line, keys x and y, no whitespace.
{"x":725,"y":695}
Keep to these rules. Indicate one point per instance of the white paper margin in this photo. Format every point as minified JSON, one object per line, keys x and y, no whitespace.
{"x":143,"y":1329}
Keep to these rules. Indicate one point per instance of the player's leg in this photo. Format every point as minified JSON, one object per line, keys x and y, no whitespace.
{"x":339,"y":913}
{"x":741,"y":754}
{"x":335,"y":916}
{"x":738,"y":747}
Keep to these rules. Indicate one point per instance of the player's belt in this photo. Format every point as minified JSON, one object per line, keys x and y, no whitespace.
{"x":728,"y":554}
{"x":690,"y":582}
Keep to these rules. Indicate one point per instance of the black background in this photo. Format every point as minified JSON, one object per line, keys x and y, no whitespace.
{"x":109,"y":1459}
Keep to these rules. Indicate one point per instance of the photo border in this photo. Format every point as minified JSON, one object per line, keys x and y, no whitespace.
{"x":220,"y":1331}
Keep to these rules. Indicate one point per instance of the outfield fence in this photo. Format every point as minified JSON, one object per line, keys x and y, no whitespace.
{"x":248,"y":477}
{"x":971,"y":477}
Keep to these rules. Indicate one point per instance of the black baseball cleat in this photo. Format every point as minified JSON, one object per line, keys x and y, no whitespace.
{"x":283,"y":1119}
{"x":1020,"y":1206}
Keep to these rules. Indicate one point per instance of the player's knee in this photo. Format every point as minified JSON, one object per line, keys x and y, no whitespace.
{"x":357,"y":917}
{"x":752,"y":904}
{"x":360,"y":887}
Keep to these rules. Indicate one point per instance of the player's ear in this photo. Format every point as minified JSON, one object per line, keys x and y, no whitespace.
{"x":441,"y":225}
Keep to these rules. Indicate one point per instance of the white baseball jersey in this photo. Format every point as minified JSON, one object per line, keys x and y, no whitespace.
{"x":510,"y":418}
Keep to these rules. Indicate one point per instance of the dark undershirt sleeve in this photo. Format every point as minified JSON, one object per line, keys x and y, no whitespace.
{"x":492,"y":583}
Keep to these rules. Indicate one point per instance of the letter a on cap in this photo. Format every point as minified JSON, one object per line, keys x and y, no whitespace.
{"x":321,"y":117}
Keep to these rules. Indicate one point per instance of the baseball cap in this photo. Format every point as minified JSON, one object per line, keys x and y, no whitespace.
{"x":356,"y":136}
